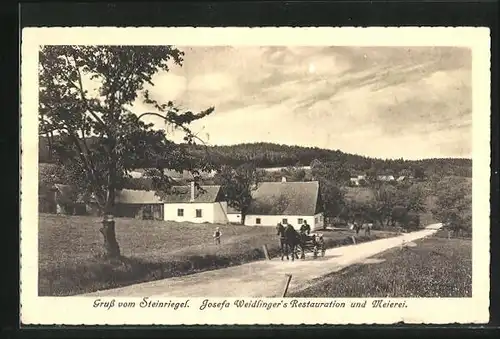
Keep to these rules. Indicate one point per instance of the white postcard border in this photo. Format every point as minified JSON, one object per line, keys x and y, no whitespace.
{"x":79,"y":310}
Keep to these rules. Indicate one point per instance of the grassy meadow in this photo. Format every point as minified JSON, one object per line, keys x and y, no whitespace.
{"x":70,"y":259}
{"x":435,"y":267}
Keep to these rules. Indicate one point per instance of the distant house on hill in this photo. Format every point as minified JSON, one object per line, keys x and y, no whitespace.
{"x":279,"y":169}
{"x":386,"y":177}
{"x":357,"y":180}
{"x":402,"y":178}
{"x":286,"y":202}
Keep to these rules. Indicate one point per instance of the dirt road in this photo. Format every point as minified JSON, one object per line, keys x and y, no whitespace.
{"x":264,"y":278}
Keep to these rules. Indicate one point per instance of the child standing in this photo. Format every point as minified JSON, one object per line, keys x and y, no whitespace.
{"x":217,"y":236}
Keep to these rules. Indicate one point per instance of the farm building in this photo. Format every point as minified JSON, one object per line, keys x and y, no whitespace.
{"x":188,"y":203}
{"x":181,"y":203}
{"x":138,"y":204}
{"x":286,"y":202}
{"x":233,"y":215}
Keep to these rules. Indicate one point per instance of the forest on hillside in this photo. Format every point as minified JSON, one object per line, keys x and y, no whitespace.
{"x":266,"y":155}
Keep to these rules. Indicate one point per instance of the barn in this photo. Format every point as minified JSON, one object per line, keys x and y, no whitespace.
{"x":138,"y":204}
{"x":286,"y":202}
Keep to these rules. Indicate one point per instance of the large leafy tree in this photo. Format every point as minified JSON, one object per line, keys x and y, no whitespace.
{"x":237,"y":185}
{"x":331,"y":178}
{"x":95,"y":134}
{"x":454,"y":204}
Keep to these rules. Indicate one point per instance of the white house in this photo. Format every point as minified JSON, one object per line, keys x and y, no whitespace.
{"x":286,"y":202}
{"x":187,"y":203}
{"x":357,"y":179}
{"x":180,"y":203}
{"x":233,"y":215}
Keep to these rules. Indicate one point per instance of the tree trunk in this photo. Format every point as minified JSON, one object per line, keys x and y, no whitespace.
{"x":111,"y":247}
{"x":243,"y":216}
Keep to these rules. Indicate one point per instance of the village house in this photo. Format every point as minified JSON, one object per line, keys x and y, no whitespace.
{"x":286,"y":202}
{"x":138,"y":204}
{"x":188,"y":203}
{"x":233,"y":215}
{"x":180,"y":203}
{"x":273,"y":202}
{"x":385,"y":177}
{"x":356,"y":181}
{"x":402,"y":178}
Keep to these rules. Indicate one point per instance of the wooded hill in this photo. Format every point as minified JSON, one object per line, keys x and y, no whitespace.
{"x":266,"y":155}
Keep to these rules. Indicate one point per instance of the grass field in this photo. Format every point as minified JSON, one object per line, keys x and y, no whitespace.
{"x":70,"y":247}
{"x":436,"y":267}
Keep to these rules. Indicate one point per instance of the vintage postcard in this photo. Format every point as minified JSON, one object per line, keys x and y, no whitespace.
{"x":230,"y":176}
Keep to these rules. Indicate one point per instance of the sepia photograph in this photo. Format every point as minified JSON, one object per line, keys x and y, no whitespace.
{"x":296,"y":172}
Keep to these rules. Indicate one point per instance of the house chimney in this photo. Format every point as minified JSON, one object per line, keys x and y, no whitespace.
{"x":283,"y":179}
{"x":193,"y":189}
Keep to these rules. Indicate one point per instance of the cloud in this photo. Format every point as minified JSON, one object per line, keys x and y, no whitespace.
{"x":377,"y":101}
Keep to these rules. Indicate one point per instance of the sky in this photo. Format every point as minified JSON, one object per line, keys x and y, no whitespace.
{"x":384,"y":102}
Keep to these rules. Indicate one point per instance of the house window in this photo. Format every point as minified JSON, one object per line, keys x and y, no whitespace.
{"x":180,"y":212}
{"x":198,"y":213}
{"x":285,"y":221}
{"x":257,"y":221}
{"x":300,"y":221}
{"x":316,"y":220}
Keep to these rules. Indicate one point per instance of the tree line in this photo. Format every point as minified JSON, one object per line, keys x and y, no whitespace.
{"x":265,"y":155}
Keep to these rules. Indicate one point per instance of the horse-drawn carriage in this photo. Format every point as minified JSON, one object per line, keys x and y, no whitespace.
{"x":313,"y":243}
{"x":295,"y":243}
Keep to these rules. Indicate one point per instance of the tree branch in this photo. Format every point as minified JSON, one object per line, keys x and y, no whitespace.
{"x":80,"y":89}
{"x":179,"y":125}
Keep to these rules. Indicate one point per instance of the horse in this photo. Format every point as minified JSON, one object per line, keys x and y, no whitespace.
{"x":283,"y":246}
{"x":293,"y":240}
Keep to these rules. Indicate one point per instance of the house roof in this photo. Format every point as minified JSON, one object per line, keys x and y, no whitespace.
{"x":182,"y":194}
{"x":177,"y":194}
{"x":285,"y":198}
{"x":127,"y":196}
